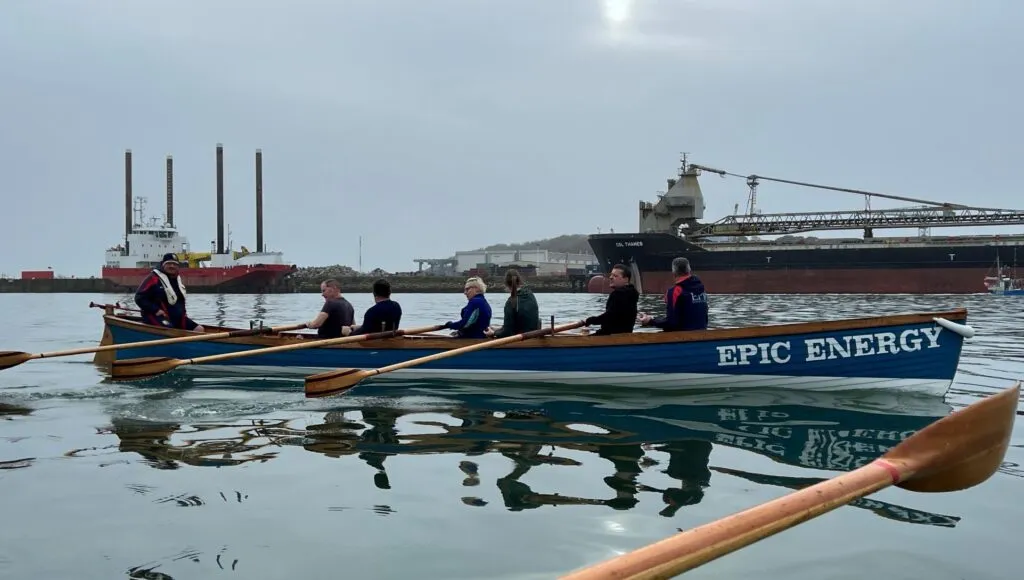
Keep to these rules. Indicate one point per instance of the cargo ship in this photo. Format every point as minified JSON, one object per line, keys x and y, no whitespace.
{"x":730,"y":258}
{"x":220,"y":269}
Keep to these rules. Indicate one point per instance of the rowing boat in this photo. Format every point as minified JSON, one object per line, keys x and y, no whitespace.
{"x":916,"y":352}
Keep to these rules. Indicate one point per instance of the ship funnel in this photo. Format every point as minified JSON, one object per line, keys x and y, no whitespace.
{"x":170,"y":192}
{"x":127,"y":196}
{"x":259,"y":200}
{"x":220,"y":198}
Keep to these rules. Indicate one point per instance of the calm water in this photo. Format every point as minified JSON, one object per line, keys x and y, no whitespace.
{"x":187,"y":478}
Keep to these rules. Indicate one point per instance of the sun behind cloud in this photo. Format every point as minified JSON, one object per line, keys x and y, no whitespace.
{"x":623,"y":28}
{"x":617,"y":12}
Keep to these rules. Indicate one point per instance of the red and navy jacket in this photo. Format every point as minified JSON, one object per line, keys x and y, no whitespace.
{"x":152,"y":298}
{"x":686,"y":306}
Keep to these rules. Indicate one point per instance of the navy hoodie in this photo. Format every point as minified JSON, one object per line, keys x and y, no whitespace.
{"x":686,"y":306}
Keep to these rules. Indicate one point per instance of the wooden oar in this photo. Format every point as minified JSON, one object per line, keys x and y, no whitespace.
{"x":10,"y":358}
{"x":139,"y":368}
{"x":956,"y":452}
{"x":341,"y":380}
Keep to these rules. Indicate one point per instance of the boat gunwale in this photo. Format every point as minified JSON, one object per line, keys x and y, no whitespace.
{"x":565,"y":340}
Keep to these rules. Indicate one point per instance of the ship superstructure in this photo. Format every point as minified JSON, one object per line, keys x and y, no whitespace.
{"x":732,"y":259}
{"x":147,"y":239}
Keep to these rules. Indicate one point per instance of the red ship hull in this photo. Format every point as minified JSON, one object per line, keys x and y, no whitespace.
{"x":234,"y":278}
{"x":838,"y":281}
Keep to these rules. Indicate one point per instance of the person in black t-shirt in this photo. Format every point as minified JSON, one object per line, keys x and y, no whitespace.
{"x":384,"y":315}
{"x":336,"y":313}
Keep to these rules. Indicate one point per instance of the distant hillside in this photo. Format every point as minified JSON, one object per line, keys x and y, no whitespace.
{"x":572,"y":243}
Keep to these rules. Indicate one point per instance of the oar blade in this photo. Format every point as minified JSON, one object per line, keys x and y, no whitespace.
{"x":13,"y":358}
{"x":961,"y":450}
{"x":333,"y":382}
{"x":142,"y":367}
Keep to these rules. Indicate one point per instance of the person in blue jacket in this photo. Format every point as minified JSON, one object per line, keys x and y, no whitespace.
{"x":476,"y":314}
{"x":686,"y":302}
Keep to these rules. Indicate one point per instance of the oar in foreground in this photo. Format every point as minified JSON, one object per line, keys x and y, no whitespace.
{"x":341,"y":380}
{"x":139,"y":368}
{"x":956,"y":452}
{"x":10,"y":358}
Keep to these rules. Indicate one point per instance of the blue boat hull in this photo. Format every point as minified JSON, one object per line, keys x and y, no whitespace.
{"x":910,"y":352}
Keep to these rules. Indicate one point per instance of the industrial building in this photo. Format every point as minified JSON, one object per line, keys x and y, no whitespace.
{"x":536,"y":262}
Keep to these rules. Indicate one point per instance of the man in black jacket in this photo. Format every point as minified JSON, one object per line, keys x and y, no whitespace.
{"x":620,"y":311}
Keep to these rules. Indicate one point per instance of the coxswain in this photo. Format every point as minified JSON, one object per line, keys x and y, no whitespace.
{"x":161,"y":297}
{"x":619,"y":314}
{"x":686,"y":302}
{"x":336,"y":313}
{"x":384,"y":315}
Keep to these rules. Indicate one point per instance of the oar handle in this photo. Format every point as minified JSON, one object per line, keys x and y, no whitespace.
{"x":300,"y":344}
{"x":175,"y":340}
{"x":478,"y":346}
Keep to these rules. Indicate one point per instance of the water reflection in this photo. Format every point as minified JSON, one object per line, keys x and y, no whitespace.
{"x":259,"y":307}
{"x":9,"y":411}
{"x":643,"y":437}
{"x":148,"y":571}
{"x":221,"y":310}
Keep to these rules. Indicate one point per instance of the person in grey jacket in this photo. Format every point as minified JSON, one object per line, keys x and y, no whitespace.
{"x":521,"y":311}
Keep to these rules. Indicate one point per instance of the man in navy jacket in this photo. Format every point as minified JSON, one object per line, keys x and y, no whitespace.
{"x":686,"y":302}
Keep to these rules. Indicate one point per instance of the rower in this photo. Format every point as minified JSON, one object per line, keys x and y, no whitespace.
{"x":619,"y":314}
{"x":336,"y":313}
{"x":161,"y":297}
{"x":476,"y":314}
{"x":521,"y":310}
{"x":686,"y":302}
{"x":384,"y":315}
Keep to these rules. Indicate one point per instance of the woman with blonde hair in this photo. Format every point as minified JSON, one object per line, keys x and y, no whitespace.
{"x":521,"y":310}
{"x":476,"y":314}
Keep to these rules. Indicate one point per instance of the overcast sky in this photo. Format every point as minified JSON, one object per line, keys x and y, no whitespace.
{"x":432,"y":126}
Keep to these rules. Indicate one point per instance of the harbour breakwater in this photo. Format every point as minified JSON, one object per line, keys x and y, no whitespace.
{"x":56,"y":285}
{"x":304,"y":281}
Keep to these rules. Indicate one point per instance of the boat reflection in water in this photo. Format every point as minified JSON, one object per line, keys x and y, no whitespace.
{"x":10,"y":411}
{"x":534,"y":426}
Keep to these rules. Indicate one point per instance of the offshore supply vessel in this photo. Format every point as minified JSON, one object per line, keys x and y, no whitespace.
{"x":218,"y":270}
{"x":730,"y":259}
